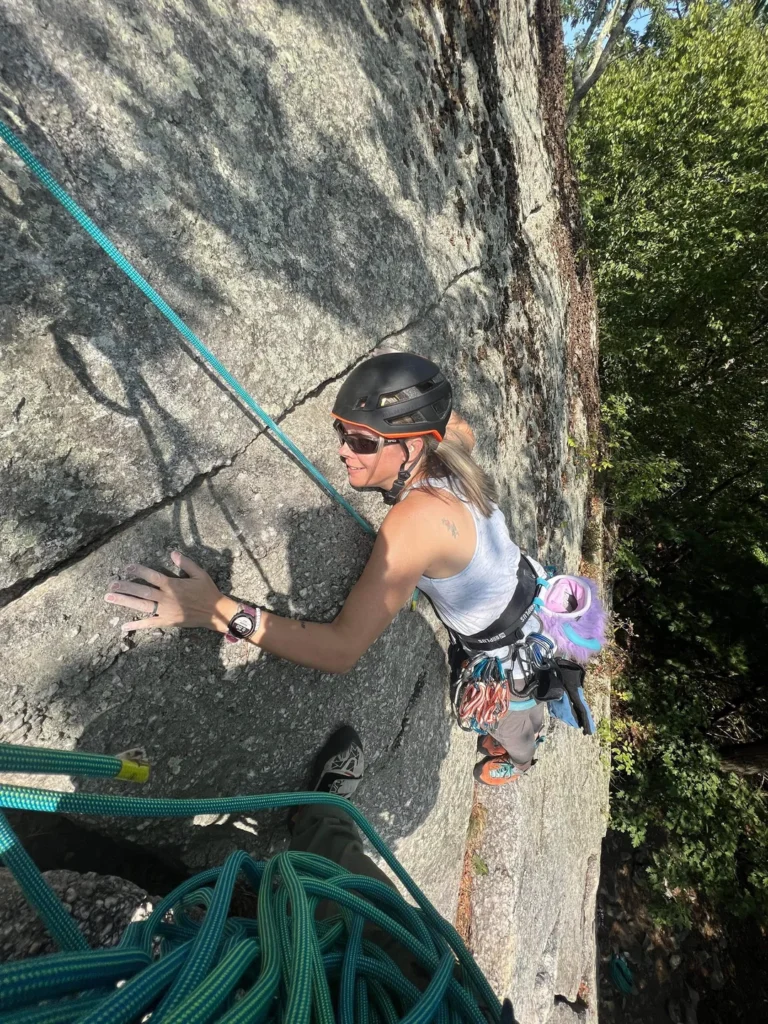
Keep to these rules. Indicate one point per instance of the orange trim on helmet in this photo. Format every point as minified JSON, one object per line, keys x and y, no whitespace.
{"x":390,"y":437}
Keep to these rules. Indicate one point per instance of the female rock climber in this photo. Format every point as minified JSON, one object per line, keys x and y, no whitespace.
{"x":444,"y":533}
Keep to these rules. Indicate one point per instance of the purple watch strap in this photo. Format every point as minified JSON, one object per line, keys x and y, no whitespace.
{"x":229,"y":636}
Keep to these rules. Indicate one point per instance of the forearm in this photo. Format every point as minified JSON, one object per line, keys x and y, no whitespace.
{"x":317,"y":645}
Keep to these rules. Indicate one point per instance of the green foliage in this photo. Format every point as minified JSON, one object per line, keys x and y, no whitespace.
{"x":481,"y":868}
{"x":672,"y":152}
{"x":708,"y":829}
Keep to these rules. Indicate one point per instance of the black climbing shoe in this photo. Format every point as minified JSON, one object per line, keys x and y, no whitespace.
{"x":340,"y":764}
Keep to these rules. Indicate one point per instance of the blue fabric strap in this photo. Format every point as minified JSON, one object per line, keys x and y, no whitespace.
{"x":563,"y":709}
{"x":522,"y":705}
{"x":130,"y":271}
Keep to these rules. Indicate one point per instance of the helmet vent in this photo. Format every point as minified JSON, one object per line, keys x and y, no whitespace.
{"x":406,"y":394}
{"x":391,"y":399}
{"x":415,"y":417}
{"x":360,"y":403}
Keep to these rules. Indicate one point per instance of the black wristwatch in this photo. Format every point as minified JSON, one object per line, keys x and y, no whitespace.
{"x":243,"y":623}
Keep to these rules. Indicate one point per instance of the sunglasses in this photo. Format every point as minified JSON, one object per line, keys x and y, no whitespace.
{"x":361,"y":444}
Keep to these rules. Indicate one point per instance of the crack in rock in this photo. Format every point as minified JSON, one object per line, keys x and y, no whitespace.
{"x":23,"y":586}
{"x":430,"y":308}
{"x":421,"y":680}
{"x":432,"y":305}
{"x":399,"y":736}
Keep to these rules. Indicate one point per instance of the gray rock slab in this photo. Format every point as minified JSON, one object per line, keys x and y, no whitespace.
{"x":303,"y":181}
{"x":273,"y":173}
{"x":221,"y":720}
{"x":102,"y":905}
{"x":533,"y":912}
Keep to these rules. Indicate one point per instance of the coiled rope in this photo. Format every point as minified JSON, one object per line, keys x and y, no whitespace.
{"x":282,"y":965}
{"x":85,"y":222}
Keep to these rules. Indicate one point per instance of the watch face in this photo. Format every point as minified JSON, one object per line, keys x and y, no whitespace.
{"x":242,"y":624}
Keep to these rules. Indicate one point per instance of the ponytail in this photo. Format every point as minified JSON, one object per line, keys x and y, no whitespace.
{"x":450,"y":460}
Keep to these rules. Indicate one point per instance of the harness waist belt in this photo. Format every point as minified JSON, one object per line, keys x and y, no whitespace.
{"x":514,"y":616}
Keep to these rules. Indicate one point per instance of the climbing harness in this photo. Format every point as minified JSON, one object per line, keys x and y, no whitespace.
{"x":483,"y":691}
{"x":280,"y":966}
{"x":569,"y":624}
{"x":508,"y":626}
{"x":85,"y":222}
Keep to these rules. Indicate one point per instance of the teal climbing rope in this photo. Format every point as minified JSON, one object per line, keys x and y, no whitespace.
{"x":280,"y":965}
{"x":85,"y":222}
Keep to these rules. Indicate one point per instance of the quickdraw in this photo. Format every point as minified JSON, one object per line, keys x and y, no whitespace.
{"x":482,"y":694}
{"x":534,"y":652}
{"x":484,"y":688}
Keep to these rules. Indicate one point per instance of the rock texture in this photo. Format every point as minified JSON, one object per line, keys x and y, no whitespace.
{"x":303,"y":180}
{"x":533,"y":913}
{"x":103,"y":906}
{"x":533,"y":901}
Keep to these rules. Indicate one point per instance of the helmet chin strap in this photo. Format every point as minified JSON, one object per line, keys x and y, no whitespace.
{"x":393,"y":494}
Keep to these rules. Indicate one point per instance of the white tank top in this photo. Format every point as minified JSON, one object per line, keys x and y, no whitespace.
{"x":472,"y":599}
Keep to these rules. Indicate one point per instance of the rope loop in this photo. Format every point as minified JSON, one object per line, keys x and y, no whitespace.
{"x":196,"y":958}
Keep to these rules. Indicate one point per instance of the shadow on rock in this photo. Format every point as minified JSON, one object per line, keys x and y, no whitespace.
{"x":220,"y":720}
{"x":297,"y":223}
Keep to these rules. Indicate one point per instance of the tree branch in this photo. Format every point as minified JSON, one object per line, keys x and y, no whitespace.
{"x":599,"y":48}
{"x":597,"y":17}
{"x":597,"y":67}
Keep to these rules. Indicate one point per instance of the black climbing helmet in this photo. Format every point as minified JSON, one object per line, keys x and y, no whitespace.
{"x":398,"y":394}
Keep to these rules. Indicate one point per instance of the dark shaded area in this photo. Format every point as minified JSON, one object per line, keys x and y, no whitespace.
{"x":746,"y":758}
{"x":163,"y":691}
{"x":712,"y":973}
{"x":256,"y":728}
{"x":55,"y":842}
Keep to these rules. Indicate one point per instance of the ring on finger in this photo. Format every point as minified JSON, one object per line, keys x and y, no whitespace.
{"x":154,"y":607}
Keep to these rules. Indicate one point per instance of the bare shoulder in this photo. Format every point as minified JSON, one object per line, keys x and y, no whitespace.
{"x":423,"y":509}
{"x":437,"y":531}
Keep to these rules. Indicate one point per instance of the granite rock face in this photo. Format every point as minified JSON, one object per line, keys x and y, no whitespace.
{"x":533,"y":912}
{"x":102,"y":905}
{"x":303,"y":181}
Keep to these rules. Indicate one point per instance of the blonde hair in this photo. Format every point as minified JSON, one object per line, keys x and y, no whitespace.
{"x":450,"y":460}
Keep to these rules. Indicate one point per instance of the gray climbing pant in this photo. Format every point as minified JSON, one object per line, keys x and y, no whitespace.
{"x":330,"y":832}
{"x":517,"y":732}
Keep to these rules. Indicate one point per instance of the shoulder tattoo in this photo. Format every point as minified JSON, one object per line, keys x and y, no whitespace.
{"x":451,"y":527}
